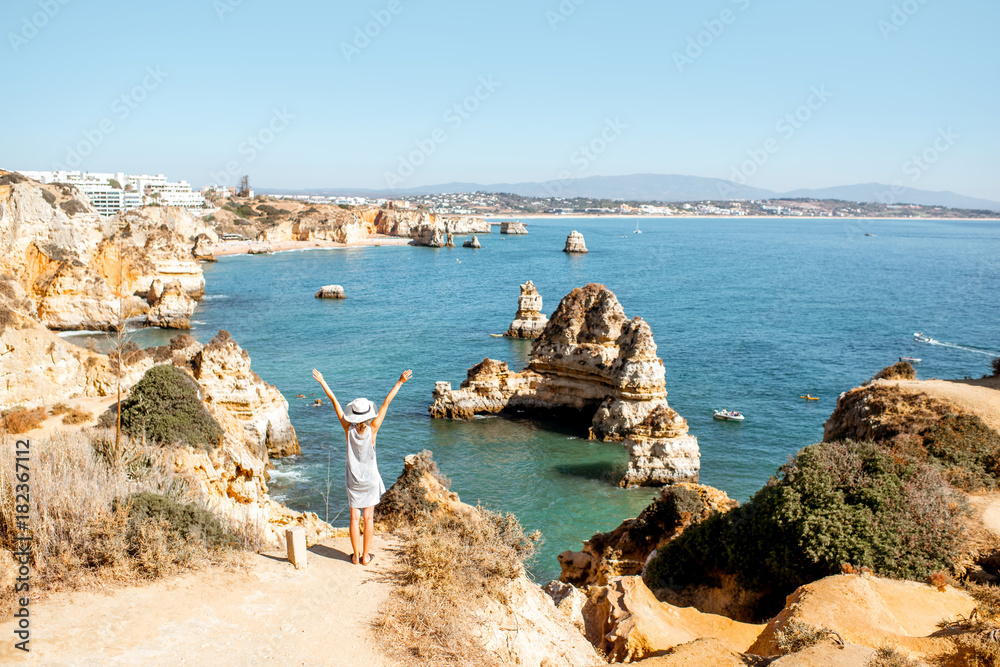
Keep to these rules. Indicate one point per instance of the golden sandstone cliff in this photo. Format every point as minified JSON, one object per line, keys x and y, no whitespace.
{"x":82,"y":271}
{"x":595,"y":367}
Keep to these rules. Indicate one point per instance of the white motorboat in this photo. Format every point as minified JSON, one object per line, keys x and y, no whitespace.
{"x":728,"y":415}
{"x":921,"y":338}
{"x":910,"y":360}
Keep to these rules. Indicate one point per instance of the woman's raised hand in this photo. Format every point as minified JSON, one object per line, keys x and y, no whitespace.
{"x":407,"y":374}
{"x":317,"y":376}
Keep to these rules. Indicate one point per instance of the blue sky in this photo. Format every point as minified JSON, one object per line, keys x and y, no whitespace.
{"x":288,"y":93}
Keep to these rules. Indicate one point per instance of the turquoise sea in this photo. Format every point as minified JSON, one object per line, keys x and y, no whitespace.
{"x":748,"y":314}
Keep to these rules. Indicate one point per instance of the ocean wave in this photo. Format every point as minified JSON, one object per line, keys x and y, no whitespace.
{"x":213,"y":297}
{"x":82,"y":332}
{"x":286,"y":475}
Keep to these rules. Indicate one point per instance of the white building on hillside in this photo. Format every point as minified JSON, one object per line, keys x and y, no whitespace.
{"x":111,"y":193}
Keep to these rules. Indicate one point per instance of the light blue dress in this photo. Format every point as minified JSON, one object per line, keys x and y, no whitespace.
{"x":364,"y":484}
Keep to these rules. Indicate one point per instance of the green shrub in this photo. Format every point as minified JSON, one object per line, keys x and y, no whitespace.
{"x":898,"y":371}
{"x":966,"y":449}
{"x":834,"y":503}
{"x":163,"y":407}
{"x":186,"y":520}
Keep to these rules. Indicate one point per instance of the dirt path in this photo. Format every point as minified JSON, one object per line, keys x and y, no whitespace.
{"x":272,"y":614}
{"x":980,"y":397}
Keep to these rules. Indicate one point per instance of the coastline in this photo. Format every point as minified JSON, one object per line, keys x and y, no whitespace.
{"x":243,"y":247}
{"x":497,"y":219}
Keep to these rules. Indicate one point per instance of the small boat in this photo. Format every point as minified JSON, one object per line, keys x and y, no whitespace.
{"x":910,"y":360}
{"x":637,"y":230}
{"x":810,"y":398}
{"x":921,"y":338}
{"x":728,"y":415}
{"x":869,"y":234}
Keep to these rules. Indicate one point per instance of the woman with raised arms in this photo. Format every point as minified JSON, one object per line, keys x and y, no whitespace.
{"x":364,"y":484}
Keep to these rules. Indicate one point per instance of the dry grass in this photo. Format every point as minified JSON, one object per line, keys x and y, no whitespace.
{"x":84,"y":531}
{"x":797,"y":636}
{"x":20,"y":420}
{"x":447,"y":567}
{"x":889,"y":656}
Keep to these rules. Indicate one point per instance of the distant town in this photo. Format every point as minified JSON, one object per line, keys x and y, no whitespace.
{"x":114,"y":192}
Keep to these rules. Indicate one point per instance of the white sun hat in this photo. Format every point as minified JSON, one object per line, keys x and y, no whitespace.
{"x":359,"y":410}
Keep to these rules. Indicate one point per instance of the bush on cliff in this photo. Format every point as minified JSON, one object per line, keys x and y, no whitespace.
{"x":898,"y":371}
{"x":834,"y":503}
{"x":966,"y":449}
{"x":164,"y":407}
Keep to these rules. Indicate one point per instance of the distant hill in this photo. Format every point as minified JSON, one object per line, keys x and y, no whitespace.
{"x":672,"y":188}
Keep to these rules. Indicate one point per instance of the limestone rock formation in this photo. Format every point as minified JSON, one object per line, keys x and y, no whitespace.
{"x":331,"y":292}
{"x":626,"y":550}
{"x":472,"y":243}
{"x":171,"y":308}
{"x":322,"y":223}
{"x":426,"y":228}
{"x":575,"y":243}
{"x":223,"y":370}
{"x":872,"y":611}
{"x":83,"y":271}
{"x":598,"y":368}
{"x":204,"y":249}
{"x":513,"y":228}
{"x":529,"y":322}
{"x":627,"y":623}
{"x":260,"y":247}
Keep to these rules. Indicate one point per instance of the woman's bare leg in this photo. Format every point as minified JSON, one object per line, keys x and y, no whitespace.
{"x":369,"y":531}
{"x":355,"y":517}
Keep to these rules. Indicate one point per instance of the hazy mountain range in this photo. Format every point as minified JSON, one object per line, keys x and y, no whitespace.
{"x":673,"y":188}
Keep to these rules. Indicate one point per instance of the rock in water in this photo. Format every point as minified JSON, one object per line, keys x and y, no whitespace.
{"x":450,"y":240}
{"x":472,"y":243}
{"x":574,"y":243}
{"x":513,"y":228}
{"x":529,"y":321}
{"x":204,"y":249}
{"x":596,"y":367}
{"x":171,"y":307}
{"x":331,"y":292}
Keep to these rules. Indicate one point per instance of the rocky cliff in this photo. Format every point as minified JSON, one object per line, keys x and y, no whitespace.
{"x":83,"y":271}
{"x":575,"y":243}
{"x":426,"y":228}
{"x":326,"y":223}
{"x":598,"y":369}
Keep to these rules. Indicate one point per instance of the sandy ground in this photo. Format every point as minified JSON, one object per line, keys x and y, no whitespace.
{"x":980,"y":397}
{"x":242,"y":247}
{"x":270,"y":614}
{"x":96,"y":406}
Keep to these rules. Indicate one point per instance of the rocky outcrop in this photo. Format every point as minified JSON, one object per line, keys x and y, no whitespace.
{"x":83,"y":271}
{"x":204,"y":248}
{"x":254,"y":408}
{"x":626,"y":623}
{"x":260,"y":248}
{"x":872,"y":611}
{"x":322,"y":223}
{"x":882,"y":411}
{"x":331,"y":292}
{"x":472,"y":243}
{"x":171,"y":307}
{"x":426,"y":228}
{"x":529,"y":322}
{"x":626,"y":550}
{"x":599,"y":369}
{"x":575,"y":243}
{"x":513,"y":228}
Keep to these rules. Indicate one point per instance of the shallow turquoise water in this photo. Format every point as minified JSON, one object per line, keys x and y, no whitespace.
{"x":747,"y":315}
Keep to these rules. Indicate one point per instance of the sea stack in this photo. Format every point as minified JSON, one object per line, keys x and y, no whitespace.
{"x":529,"y":322}
{"x":599,"y":369}
{"x":472,"y":243}
{"x":513,"y":228}
{"x":450,"y":243}
{"x":574,"y":243}
{"x":170,"y":306}
{"x":331,"y":292}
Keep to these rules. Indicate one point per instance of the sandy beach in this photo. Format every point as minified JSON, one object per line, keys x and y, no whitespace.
{"x":243,"y":247}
